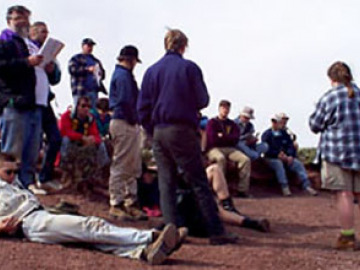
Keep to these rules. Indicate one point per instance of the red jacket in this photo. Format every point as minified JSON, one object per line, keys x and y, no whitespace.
{"x":68,"y":128}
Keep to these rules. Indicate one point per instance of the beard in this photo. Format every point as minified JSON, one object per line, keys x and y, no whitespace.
{"x":22,"y":31}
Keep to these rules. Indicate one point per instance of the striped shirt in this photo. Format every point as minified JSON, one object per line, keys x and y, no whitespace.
{"x":337,"y":117}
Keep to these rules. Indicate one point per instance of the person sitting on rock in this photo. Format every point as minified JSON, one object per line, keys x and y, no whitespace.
{"x":281,"y":156}
{"x":248,"y":142}
{"x":22,"y":215}
{"x":222,"y":135}
{"x":82,"y":151}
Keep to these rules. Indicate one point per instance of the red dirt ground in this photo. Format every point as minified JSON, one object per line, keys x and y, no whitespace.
{"x":303,"y":230}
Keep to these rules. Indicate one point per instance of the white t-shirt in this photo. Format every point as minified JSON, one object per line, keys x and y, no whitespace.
{"x":42,"y":81}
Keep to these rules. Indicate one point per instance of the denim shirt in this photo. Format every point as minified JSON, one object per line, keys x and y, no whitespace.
{"x":16,"y":202}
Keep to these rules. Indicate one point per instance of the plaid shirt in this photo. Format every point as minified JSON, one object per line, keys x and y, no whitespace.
{"x":337,"y":117}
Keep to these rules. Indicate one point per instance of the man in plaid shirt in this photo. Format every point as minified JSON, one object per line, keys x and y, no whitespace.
{"x":337,"y":117}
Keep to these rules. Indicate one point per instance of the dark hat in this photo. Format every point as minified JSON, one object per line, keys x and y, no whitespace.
{"x":129,"y":51}
{"x":88,"y":41}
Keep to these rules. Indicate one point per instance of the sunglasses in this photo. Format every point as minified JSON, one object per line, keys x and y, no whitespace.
{"x":85,"y":106}
{"x":10,"y":172}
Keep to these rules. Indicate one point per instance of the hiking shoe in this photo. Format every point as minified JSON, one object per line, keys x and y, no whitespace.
{"x":50,"y":186}
{"x":347,"y":243}
{"x":263,"y":225}
{"x":37,"y":191}
{"x":223,"y":239}
{"x":157,"y":252}
{"x":119,"y":212}
{"x":135,"y":213}
{"x":311,"y":191}
{"x":286,"y":191}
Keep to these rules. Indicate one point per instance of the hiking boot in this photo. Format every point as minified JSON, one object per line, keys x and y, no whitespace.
{"x":286,"y":191}
{"x":223,"y":239}
{"x":135,"y":213}
{"x":158,"y":251}
{"x":37,"y":191}
{"x":311,"y":191}
{"x":347,"y":243}
{"x":119,"y":212}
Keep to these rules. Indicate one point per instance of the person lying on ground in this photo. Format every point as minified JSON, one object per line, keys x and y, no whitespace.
{"x":22,"y":215}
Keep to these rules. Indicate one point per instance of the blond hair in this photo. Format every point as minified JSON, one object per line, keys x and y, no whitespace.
{"x":175,"y":40}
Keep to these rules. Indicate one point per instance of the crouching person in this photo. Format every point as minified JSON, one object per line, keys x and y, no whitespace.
{"x":22,"y":215}
{"x":82,"y":152}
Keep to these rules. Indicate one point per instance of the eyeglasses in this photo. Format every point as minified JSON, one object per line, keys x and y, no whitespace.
{"x":10,"y":172}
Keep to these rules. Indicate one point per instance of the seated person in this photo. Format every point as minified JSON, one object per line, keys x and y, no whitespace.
{"x":82,"y":151}
{"x":102,"y":116}
{"x":248,"y":142}
{"x":227,"y":211}
{"x":283,"y":125}
{"x":22,"y":215}
{"x":282,"y":155}
{"x":222,"y":135}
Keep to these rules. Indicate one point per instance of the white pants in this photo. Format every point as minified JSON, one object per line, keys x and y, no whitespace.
{"x":41,"y":226}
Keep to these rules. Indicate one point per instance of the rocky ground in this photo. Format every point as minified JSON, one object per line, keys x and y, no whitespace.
{"x":304,"y":229}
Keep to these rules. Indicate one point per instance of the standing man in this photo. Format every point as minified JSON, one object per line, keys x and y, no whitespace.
{"x":172,"y":94}
{"x":87,"y":74}
{"x":38,"y":34}
{"x":125,"y":136}
{"x":21,"y":118}
{"x":222,"y":135}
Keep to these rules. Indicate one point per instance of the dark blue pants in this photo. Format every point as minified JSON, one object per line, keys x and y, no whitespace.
{"x":51,"y":130}
{"x":177,"y":146}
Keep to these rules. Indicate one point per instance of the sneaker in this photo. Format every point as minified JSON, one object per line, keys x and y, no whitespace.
{"x":286,"y":191}
{"x":311,"y":191}
{"x":119,"y":212}
{"x":51,"y":186}
{"x":136,"y":213}
{"x":223,"y":239}
{"x":37,"y":191}
{"x":346,"y":243}
{"x":157,"y":252}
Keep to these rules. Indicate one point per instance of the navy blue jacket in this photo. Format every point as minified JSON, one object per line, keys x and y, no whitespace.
{"x":123,"y":95}
{"x":17,"y":77}
{"x":280,"y":142}
{"x":172,"y":92}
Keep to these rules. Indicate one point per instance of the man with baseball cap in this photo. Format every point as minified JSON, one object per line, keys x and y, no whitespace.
{"x":125,"y":136}
{"x":248,"y":142}
{"x":281,"y":156}
{"x":87,"y":73}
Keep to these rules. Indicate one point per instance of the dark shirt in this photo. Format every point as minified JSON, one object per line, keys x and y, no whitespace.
{"x":123,"y":95}
{"x":229,"y":130}
{"x":278,"y":141}
{"x":172,"y":92}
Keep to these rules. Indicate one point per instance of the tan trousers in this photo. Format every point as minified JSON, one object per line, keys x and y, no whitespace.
{"x":220,"y":156}
{"x":126,"y":162}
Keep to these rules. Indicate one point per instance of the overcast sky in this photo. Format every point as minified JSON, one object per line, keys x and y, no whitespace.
{"x":270,"y":55}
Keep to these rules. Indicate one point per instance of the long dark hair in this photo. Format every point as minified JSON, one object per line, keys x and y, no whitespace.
{"x":341,"y":73}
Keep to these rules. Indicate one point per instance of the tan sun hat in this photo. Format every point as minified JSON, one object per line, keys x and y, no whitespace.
{"x":247,"y":112}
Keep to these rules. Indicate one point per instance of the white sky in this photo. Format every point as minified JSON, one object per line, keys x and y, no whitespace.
{"x":271,"y":55}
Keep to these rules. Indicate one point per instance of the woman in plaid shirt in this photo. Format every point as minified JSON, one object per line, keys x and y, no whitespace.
{"x":337,"y":118}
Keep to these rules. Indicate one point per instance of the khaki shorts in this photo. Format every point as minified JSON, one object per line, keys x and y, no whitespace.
{"x":334,"y":177}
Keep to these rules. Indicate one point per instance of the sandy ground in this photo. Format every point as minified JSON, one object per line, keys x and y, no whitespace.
{"x":304,"y":229}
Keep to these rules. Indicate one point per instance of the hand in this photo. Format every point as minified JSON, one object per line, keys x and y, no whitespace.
{"x":49,"y":68}
{"x":9,"y":225}
{"x":35,"y":60}
{"x":91,"y":69}
{"x":220,"y":134}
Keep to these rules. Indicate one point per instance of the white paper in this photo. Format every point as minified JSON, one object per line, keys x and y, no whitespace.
{"x":97,"y":73}
{"x":50,"y":50}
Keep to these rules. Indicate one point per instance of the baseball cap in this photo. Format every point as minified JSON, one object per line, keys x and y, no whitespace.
{"x":129,"y":51}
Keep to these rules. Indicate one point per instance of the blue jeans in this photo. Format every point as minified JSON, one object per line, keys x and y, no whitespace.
{"x":21,"y":136}
{"x":297,"y":167}
{"x":252,"y":153}
{"x":51,"y":130}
